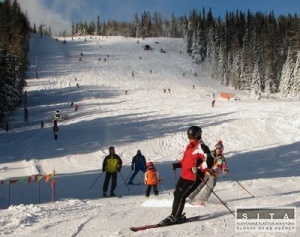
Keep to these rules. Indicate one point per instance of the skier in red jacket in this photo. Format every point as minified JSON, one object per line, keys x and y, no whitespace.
{"x":196,"y":160}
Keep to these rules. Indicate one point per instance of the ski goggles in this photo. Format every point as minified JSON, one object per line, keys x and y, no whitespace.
{"x":219,"y":148}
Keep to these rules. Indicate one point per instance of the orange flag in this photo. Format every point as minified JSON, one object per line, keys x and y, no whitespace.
{"x":47,"y":177}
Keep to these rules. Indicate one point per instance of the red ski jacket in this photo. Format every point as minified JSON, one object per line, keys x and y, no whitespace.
{"x":192,"y":157}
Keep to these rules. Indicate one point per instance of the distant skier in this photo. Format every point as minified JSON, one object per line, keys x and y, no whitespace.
{"x":213,"y":103}
{"x":55,"y":131}
{"x":138,"y":164}
{"x":152,"y":178}
{"x":112,"y":164}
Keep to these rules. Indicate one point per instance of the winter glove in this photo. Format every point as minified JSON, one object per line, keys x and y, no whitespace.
{"x":176,"y":165}
{"x":103,"y":170}
{"x":132,"y":168}
{"x":195,"y":170}
{"x":212,"y":172}
{"x":119,"y":169}
{"x":225,"y":171}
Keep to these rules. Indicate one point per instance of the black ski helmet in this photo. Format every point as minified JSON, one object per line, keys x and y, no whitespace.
{"x":194,"y":132}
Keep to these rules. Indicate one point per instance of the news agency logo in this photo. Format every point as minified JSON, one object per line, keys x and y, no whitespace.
{"x":255,"y":219}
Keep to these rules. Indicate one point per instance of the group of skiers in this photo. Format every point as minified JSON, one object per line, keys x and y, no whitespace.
{"x":112,"y":164}
{"x":199,"y":172}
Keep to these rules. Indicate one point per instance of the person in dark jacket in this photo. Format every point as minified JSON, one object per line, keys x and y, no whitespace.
{"x":55,"y":131}
{"x":196,"y":160}
{"x":112,"y":164}
{"x":138,"y":164}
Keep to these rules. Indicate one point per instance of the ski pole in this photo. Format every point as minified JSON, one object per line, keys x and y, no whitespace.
{"x":163,"y":188}
{"x":216,"y":195}
{"x":96,"y":179}
{"x":128,"y":177}
{"x":240,"y":184}
{"x":124,"y":180}
{"x":175,"y":177}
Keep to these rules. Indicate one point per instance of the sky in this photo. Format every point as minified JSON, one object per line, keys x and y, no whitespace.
{"x":261,"y":142}
{"x":60,"y":14}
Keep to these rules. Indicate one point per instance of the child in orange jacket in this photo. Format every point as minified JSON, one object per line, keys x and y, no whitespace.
{"x":152,"y":178}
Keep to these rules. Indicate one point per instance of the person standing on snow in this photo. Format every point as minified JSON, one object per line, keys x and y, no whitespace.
{"x":112,"y":164}
{"x":196,"y":160}
{"x":138,"y":164}
{"x":152,"y":178}
{"x":55,"y":129}
{"x":204,"y":190}
{"x":213,"y":103}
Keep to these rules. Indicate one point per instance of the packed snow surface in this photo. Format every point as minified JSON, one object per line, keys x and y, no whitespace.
{"x":121,"y":102}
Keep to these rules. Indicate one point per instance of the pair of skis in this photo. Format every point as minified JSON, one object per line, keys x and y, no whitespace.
{"x":158,"y":225}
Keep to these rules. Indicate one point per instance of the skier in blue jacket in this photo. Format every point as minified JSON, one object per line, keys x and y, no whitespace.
{"x":138,"y":164}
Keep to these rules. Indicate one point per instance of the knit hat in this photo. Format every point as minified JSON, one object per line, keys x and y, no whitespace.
{"x":219,"y":145}
{"x":150,"y":165}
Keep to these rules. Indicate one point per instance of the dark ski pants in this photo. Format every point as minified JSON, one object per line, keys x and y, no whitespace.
{"x":135,"y":173}
{"x":148,"y":190}
{"x":113,"y":176}
{"x":183,"y":189}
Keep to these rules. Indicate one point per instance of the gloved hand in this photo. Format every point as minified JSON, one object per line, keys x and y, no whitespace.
{"x":225,"y":171}
{"x":212,"y":172}
{"x":195,"y":170}
{"x":176,"y":165}
{"x":132,"y":168}
{"x":119,"y":169}
{"x":103,"y":170}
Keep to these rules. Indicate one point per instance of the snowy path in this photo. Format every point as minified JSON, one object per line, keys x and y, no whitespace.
{"x":261,"y":141}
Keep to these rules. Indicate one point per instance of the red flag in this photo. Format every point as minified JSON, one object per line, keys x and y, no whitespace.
{"x":36,"y":177}
{"x":29,"y":178}
{"x":13,"y":181}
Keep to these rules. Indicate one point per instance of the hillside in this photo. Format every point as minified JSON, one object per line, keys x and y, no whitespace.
{"x":121,"y":99}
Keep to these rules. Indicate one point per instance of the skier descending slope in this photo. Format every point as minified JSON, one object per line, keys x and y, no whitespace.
{"x":138,"y":164}
{"x":196,"y":160}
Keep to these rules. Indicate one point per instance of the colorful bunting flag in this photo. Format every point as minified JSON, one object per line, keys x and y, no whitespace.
{"x":13,"y":181}
{"x":47,"y":177}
